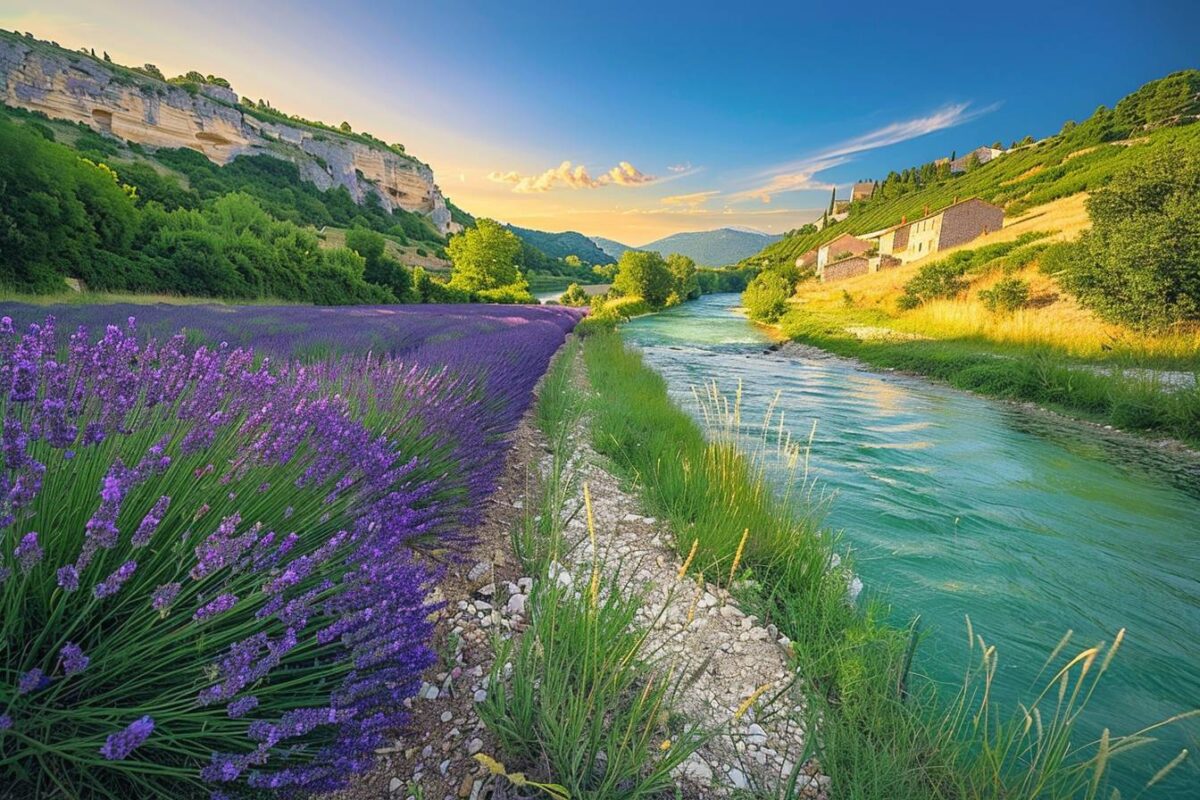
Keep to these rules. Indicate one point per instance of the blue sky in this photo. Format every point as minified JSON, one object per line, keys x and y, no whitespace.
{"x":682,"y":116}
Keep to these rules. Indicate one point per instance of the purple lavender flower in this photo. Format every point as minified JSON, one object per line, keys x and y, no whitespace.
{"x":74,"y":661}
{"x":150,"y":522}
{"x":28,"y":552}
{"x":5,"y":722}
{"x":68,"y":578}
{"x":113,"y":583}
{"x":32,"y":681}
{"x":242,"y":706}
{"x":164,"y":596}
{"x":118,"y":746}
{"x":218,"y":605}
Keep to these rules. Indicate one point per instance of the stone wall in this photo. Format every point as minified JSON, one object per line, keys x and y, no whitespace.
{"x":112,"y":100}
{"x":969,"y":220}
{"x":846,"y":268}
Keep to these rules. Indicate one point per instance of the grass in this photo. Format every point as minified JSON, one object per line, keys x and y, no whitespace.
{"x":882,"y":733}
{"x":580,"y":696}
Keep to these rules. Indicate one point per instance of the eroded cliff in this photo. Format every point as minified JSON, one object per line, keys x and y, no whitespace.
{"x":62,"y":84}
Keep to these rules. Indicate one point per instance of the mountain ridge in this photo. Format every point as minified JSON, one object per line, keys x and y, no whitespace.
{"x":713,"y":248}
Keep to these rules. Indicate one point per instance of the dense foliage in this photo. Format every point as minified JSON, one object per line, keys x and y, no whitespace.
{"x":209,"y":562}
{"x":563,"y":245}
{"x":1007,"y":295}
{"x":1139,"y":264}
{"x":946,"y":277}
{"x":646,"y":275}
{"x":65,"y":216}
{"x":765,"y":298}
{"x":486,"y":260}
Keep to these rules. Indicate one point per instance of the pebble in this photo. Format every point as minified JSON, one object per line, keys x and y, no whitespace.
{"x":478,"y":571}
{"x":474,"y":746}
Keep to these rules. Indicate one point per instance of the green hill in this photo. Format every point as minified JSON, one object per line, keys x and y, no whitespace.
{"x":561,"y":245}
{"x":611,"y":246}
{"x":1081,"y":157}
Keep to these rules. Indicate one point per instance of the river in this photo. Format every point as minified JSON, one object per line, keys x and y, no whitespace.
{"x":954,"y":505}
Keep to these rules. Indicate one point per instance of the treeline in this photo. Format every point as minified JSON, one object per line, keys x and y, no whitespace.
{"x":245,"y":230}
{"x":645,"y":281}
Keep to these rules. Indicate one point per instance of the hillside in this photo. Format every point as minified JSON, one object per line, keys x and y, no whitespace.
{"x":561,"y":245}
{"x":1079,"y":158}
{"x":611,"y":246}
{"x":716,"y":248}
{"x":140,"y":107}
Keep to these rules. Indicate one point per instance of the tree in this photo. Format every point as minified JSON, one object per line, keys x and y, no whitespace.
{"x":832,"y":199}
{"x":381,"y":269}
{"x":766,"y":297}
{"x":345,"y":127}
{"x":646,"y":275}
{"x":153,"y":71}
{"x":107,"y":57}
{"x":484,"y":257}
{"x":1140,"y":263}
{"x":683,"y":272}
{"x":573,"y":260}
{"x":574,"y":296}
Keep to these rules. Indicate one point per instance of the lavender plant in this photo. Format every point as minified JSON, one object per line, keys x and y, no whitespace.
{"x":211,"y":569}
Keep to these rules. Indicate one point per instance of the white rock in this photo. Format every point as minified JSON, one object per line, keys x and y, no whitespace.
{"x":478,"y":571}
{"x":480,"y":696}
{"x":697,"y":769}
{"x":516,"y":604}
{"x":737,"y":778}
{"x":474,"y":746}
{"x":560,"y":574}
{"x":755,"y":734}
{"x":395,"y":784}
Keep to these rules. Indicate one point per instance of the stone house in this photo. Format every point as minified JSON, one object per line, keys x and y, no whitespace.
{"x":955,"y":224}
{"x":862,"y":190}
{"x":842,"y":246}
{"x":984,"y":154}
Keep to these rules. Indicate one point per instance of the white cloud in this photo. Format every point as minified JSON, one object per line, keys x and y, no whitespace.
{"x":677,"y":168}
{"x":573,"y":176}
{"x":800,"y":174}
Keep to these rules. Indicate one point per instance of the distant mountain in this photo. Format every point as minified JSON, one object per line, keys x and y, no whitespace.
{"x":611,"y":246}
{"x":561,"y":245}
{"x":714,"y":248}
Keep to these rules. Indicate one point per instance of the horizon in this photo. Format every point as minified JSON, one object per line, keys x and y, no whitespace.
{"x":658,"y":144}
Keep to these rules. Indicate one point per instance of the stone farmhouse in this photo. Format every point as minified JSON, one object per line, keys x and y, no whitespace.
{"x":862,"y":190}
{"x":984,"y":154}
{"x":958,"y":223}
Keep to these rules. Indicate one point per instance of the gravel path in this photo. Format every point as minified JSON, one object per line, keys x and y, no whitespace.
{"x":698,"y":628}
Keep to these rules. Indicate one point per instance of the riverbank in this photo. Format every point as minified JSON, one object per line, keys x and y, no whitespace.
{"x":1129,"y":396}
{"x":948,"y":541}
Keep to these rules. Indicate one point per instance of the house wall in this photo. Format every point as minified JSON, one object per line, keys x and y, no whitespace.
{"x":843,"y":244}
{"x":967,"y":221}
{"x":846,"y":268}
{"x":923,"y":237}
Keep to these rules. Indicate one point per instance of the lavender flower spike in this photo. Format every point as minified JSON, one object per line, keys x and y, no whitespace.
{"x":74,"y":661}
{"x":118,"y":746}
{"x":112,"y":584}
{"x":28,"y":552}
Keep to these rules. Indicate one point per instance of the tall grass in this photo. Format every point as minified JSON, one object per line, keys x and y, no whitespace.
{"x":881,"y":732}
{"x":1128,"y":397}
{"x":580,"y":697}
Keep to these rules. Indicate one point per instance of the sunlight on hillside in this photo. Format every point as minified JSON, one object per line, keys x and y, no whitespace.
{"x":866,"y":305}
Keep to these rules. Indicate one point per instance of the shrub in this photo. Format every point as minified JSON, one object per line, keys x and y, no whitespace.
{"x":766,"y":297}
{"x":1008,"y":295}
{"x":1139,"y":265}
{"x":574,"y":296}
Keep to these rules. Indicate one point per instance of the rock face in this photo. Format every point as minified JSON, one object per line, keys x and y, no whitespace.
{"x":112,"y":100}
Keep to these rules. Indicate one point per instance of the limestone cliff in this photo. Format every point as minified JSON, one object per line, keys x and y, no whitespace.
{"x":72,"y":86}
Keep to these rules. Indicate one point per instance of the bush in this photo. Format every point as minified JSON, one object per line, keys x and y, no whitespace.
{"x":1008,"y":295}
{"x":1139,"y":265}
{"x":646,"y":275}
{"x":574,"y":296}
{"x":766,"y":297}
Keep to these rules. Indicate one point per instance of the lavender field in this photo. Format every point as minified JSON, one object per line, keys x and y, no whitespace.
{"x":219,"y":527}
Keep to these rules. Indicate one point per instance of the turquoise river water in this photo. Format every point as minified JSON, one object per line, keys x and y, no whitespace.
{"x":956,"y":505}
